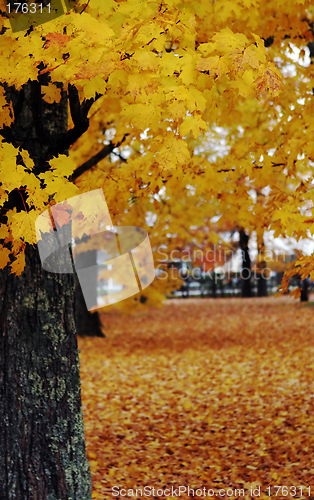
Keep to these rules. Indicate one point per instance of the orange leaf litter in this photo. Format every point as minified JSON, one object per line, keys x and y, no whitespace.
{"x":201,"y":392}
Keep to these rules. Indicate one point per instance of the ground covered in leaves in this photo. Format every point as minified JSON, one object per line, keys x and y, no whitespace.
{"x":202,"y":393}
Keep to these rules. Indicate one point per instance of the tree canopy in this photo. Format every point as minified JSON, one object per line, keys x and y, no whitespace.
{"x":152,"y":87}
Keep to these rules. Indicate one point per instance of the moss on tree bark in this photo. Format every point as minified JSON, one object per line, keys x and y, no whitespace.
{"x":42,"y":433}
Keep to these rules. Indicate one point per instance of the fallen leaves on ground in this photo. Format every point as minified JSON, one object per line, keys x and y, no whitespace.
{"x":201,"y":392}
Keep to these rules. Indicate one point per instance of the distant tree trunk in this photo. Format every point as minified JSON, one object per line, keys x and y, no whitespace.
{"x":262,"y":282}
{"x":221,"y":286}
{"x":304,"y":291}
{"x":214,"y":287}
{"x":87,"y":323}
{"x":246,"y":264}
{"x":262,"y":278}
{"x":42,"y":445}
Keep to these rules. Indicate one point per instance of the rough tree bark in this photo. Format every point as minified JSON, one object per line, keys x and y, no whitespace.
{"x":42,"y":447}
{"x":42,"y":434}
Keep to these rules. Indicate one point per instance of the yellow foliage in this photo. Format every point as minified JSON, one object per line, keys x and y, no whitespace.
{"x":171,"y":76}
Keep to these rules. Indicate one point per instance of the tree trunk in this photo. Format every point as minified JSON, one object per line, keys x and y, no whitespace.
{"x":87,"y":323}
{"x":246,"y":265}
{"x":42,"y":448}
{"x":42,"y":445}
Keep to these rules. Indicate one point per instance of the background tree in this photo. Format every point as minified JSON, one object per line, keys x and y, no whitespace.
{"x":246,"y":264}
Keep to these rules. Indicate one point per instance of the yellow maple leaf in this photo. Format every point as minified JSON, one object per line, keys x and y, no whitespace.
{"x":11,"y":174}
{"x":227,"y":40}
{"x":142,"y":116}
{"x":6,"y":110}
{"x":177,"y":110}
{"x":22,"y":225}
{"x":147,"y":60}
{"x":19,"y":264}
{"x":173,"y":152}
{"x":195,"y":99}
{"x":250,"y":57}
{"x":95,"y":84}
{"x":58,"y":186}
{"x":245,"y":86}
{"x":207,"y":48}
{"x":139,"y":84}
{"x":269,"y":80}
{"x":36,"y":196}
{"x":27,"y":160}
{"x":57,"y":41}
{"x":51,"y":93}
{"x":4,"y":231}
{"x":4,"y":256}
{"x":63,"y":165}
{"x":214,"y":65}
{"x":194,"y":124}
{"x":3,"y":196}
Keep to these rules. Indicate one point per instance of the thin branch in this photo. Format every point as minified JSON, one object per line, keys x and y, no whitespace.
{"x":103,"y":153}
{"x":255,"y":166}
{"x":85,"y":7}
{"x":87,"y":165}
{"x":120,"y":156}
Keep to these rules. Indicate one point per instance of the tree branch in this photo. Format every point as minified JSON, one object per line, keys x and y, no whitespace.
{"x":103,"y":153}
{"x":79,"y":114}
{"x":75,"y":106}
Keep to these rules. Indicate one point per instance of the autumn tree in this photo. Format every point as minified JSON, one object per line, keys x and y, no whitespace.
{"x":147,"y":85}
